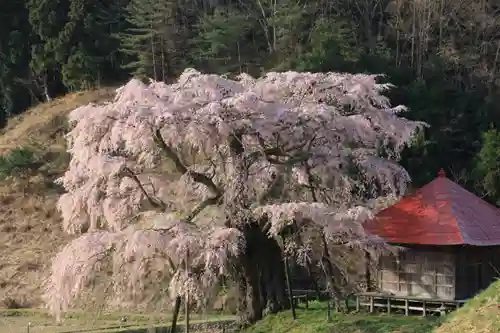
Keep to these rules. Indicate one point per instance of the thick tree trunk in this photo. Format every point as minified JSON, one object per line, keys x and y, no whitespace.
{"x":262,"y":284}
{"x":261,"y":280}
{"x":368,"y":277}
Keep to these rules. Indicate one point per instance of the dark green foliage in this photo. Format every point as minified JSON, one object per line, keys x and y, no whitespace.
{"x":488,"y":164}
{"x":18,"y":162}
{"x":221,"y":40}
{"x":14,"y":57}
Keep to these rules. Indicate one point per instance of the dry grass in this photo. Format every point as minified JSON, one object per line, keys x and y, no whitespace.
{"x":479,"y":315}
{"x":46,"y":122}
{"x":30,"y":231}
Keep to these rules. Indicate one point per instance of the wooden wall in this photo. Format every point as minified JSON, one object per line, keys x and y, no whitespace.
{"x":420,"y":272}
{"x":431,"y":272}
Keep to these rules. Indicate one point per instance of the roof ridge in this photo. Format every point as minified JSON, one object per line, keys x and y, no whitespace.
{"x":459,"y":212}
{"x":435,"y":188}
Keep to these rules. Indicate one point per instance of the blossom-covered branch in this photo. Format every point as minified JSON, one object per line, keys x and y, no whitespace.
{"x":144,"y":259}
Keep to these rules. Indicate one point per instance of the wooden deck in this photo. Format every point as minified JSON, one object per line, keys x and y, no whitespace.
{"x":408,"y":305}
{"x":380,"y":302}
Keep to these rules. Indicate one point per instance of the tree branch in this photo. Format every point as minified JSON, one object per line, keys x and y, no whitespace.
{"x":196,"y":176}
{"x":274,"y":153}
{"x":201,"y":206}
{"x":154,"y":201}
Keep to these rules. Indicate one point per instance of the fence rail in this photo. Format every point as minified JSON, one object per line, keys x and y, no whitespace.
{"x":389,"y":302}
{"x":384,"y":302}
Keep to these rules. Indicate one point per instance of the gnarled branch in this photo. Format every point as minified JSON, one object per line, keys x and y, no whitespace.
{"x":196,"y":176}
{"x":201,"y":206}
{"x":154,"y":201}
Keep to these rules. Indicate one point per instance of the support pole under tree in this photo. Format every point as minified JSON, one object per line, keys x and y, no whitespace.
{"x":177,"y":308}
{"x":289,"y":287}
{"x":186,"y":302}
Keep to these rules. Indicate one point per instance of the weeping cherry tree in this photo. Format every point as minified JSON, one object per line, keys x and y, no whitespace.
{"x":226,"y":169}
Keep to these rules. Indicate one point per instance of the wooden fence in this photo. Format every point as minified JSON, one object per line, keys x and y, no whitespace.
{"x":373,"y":302}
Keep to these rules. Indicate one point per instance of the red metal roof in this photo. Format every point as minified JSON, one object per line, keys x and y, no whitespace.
{"x":440,"y":213}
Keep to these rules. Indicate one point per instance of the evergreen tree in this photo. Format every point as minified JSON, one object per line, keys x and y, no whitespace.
{"x":140,"y":40}
{"x":93,"y":48}
{"x":48,"y":18}
{"x":223,"y":43}
{"x":488,"y":165}
{"x":157,"y":38}
{"x":14,"y":57}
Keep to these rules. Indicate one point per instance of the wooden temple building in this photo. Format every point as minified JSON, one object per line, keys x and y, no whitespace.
{"x":449,"y":241}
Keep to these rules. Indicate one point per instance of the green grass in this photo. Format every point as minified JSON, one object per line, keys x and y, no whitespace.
{"x":139,"y":328}
{"x":314,"y":320}
{"x":16,"y":321}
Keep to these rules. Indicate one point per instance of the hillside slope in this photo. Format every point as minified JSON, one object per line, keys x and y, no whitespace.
{"x":30,"y":226}
{"x":479,"y":315}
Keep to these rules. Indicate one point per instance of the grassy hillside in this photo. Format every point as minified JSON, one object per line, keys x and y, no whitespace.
{"x":314,"y":320}
{"x":480,"y":315}
{"x":30,"y":231}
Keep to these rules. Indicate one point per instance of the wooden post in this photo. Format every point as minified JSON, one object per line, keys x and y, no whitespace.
{"x":367,"y":272}
{"x":186,"y":303}
{"x":357,"y":303}
{"x":388,"y":306}
{"x":329,"y":312}
{"x":289,"y":287}
{"x":406,"y":308}
{"x":371,"y":304}
{"x":424,"y":308}
{"x":177,"y":308}
{"x":443,"y":309}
